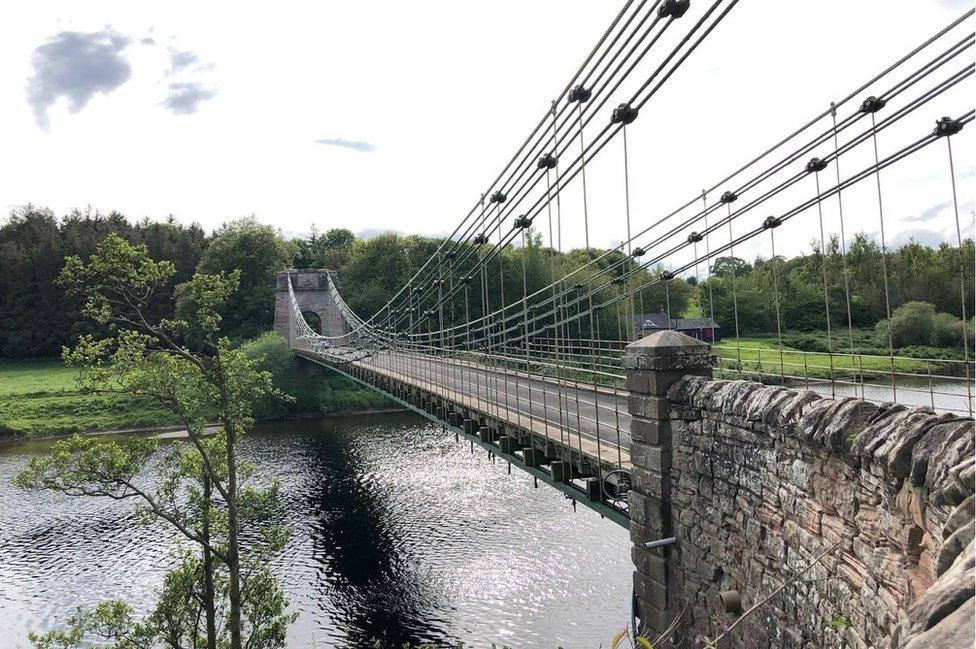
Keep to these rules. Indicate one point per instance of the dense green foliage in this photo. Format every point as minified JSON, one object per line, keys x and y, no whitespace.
{"x":916,"y":273}
{"x":36,"y":319}
{"x":380,"y":266}
{"x":918,"y":324}
{"x":323,"y":394}
{"x":257,"y":252}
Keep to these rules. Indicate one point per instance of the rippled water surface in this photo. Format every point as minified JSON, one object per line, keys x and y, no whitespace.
{"x":399,"y":534}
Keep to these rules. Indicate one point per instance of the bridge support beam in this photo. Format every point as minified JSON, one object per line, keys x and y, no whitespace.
{"x":653,"y":365}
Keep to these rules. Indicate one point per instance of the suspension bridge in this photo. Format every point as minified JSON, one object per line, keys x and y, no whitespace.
{"x":557,"y":376}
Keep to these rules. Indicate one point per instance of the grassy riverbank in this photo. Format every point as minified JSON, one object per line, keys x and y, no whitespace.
{"x":40,"y":398}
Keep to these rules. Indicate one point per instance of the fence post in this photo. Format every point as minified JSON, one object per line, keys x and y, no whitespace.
{"x":653,"y":365}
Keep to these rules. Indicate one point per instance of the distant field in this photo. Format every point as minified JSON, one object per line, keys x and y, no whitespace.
{"x":40,"y":398}
{"x":33,"y":377}
{"x":763,"y":355}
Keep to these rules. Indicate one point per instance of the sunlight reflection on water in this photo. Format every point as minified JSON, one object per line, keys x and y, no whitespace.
{"x":399,"y":534}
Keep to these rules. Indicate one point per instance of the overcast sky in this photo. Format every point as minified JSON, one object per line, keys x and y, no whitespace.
{"x":396,"y":115}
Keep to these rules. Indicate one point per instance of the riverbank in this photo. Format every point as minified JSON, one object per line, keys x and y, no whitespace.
{"x":40,"y":399}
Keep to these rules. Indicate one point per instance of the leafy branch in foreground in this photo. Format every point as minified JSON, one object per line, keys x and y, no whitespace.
{"x":222,"y":594}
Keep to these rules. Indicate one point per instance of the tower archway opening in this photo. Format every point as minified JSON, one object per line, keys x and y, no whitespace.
{"x":314,"y":320}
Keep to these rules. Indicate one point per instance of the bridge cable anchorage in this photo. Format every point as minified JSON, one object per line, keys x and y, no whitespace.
{"x":547,"y":161}
{"x":947,"y":127}
{"x":623,"y":114}
{"x":815,"y":166}
{"x":673,"y":8}
{"x":871,"y":106}
{"x":594,"y":334}
{"x":843,"y":245}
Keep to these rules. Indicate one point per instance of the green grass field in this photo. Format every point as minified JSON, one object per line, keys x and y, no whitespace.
{"x":41,"y":398}
{"x":35,"y":378}
{"x":762,"y":356}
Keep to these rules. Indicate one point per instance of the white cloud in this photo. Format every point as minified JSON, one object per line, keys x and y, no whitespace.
{"x":342,"y":143}
{"x":76,"y":65}
{"x":185,"y":98}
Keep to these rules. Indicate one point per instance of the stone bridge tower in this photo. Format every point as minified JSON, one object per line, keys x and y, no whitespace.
{"x":311,"y":288}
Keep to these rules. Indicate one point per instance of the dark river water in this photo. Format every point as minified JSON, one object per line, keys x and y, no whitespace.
{"x":400,"y":535}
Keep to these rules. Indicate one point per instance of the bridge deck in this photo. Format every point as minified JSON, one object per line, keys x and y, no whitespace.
{"x":592,"y":421}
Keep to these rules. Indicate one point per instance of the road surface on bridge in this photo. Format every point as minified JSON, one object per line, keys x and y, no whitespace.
{"x":578,"y":415}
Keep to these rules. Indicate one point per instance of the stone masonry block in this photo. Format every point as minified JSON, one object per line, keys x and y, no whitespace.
{"x":650,"y":431}
{"x":651,"y":591}
{"x":685,"y":363}
{"x":658,"y":382}
{"x":667,"y":343}
{"x":654,"y":458}
{"x":653,"y":620}
{"x":651,"y":484}
{"x":652,"y":530}
{"x":668,"y":350}
{"x":648,"y":511}
{"x":648,"y":407}
{"x":648,"y":563}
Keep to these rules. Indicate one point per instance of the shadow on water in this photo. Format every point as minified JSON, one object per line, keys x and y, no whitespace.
{"x":365,"y":563}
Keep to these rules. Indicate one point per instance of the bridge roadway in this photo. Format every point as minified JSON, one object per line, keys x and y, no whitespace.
{"x":578,"y":417}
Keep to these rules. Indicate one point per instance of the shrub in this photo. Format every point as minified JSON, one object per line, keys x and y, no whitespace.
{"x":911,"y":324}
{"x":807,"y":342}
{"x":947,"y":330}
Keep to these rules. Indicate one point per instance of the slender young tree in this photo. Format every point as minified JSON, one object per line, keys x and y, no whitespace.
{"x":222,"y":594}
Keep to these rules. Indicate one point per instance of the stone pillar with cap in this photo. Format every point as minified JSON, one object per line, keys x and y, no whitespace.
{"x":653,"y":365}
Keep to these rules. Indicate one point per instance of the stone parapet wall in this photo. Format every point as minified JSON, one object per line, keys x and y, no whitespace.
{"x":763,"y":479}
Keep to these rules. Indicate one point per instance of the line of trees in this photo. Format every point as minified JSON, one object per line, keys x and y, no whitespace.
{"x":37,"y":319}
{"x":855,"y":284}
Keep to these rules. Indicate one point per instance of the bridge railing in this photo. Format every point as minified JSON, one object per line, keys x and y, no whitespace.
{"x":939,"y":383}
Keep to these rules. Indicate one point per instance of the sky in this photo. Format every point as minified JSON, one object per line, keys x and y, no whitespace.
{"x":396,"y":116}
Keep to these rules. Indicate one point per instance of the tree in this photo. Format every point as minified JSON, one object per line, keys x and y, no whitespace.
{"x":256,"y":252}
{"x":376,"y":270}
{"x":331,"y":250}
{"x":726,"y":266}
{"x":223,"y":593}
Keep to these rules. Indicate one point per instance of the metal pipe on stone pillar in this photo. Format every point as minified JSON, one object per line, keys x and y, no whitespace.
{"x":653,"y":365}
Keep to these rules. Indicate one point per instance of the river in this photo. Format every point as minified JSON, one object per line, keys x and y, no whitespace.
{"x":400,"y":535}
